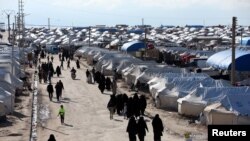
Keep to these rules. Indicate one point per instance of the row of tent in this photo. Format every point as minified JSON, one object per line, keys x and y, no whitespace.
{"x":191,"y":94}
{"x":117,"y":35}
{"x":10,"y":84}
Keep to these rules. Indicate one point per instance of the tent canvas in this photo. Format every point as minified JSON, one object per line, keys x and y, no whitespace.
{"x":231,"y":110}
{"x":7,"y":100}
{"x":202,"y":97}
{"x":132,"y":46}
{"x":168,"y":97}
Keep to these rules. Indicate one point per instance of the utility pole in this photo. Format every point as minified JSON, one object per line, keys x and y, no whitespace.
{"x":8,"y":13}
{"x":89,"y":35}
{"x":49,"y":23}
{"x":233,"y":51}
{"x":8,"y":16}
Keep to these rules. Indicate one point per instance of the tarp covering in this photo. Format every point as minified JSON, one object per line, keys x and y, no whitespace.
{"x":133,"y":46}
{"x":231,"y":110}
{"x":239,"y":104}
{"x":5,"y":97}
{"x":168,"y":96}
{"x":222,"y":60}
{"x":194,"y":103}
{"x":245,"y":41}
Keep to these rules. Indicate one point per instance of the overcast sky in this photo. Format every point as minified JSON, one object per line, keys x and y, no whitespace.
{"x":131,"y":12}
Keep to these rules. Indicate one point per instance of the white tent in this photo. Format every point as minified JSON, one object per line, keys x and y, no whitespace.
{"x":194,"y":103}
{"x":168,"y":96}
{"x":157,"y":70}
{"x":9,"y":78}
{"x":232,"y":110}
{"x":160,"y":82}
{"x":7,"y":99}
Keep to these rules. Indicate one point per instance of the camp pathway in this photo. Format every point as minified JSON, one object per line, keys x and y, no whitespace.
{"x":87,"y":117}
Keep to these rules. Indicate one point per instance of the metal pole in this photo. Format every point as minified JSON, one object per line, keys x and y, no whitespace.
{"x":233,"y":51}
{"x":89,"y":35}
{"x":12,"y":51}
{"x":49,"y":23}
{"x":8,"y":27}
{"x":241,"y":37}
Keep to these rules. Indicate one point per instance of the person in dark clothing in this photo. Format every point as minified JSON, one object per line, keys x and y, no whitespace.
{"x":101,"y":85}
{"x":50,"y":90}
{"x":125,"y":98}
{"x":108,"y":83}
{"x":58,"y":71}
{"x":87,"y":75}
{"x":157,"y":127}
{"x":52,"y":58}
{"x":58,"y":91}
{"x":136,"y":105}
{"x":132,"y":129}
{"x":50,"y":73}
{"x":111,"y":106}
{"x":48,"y":58}
{"x":114,"y":87}
{"x":61,"y":86}
{"x":52,"y":137}
{"x":119,"y":104}
{"x":142,"y":127}
{"x":40,"y":75}
{"x":45,"y":76}
{"x":142,"y":104}
{"x":68,"y":64}
{"x":97,"y":77}
{"x":78,"y":64}
{"x":130,"y":106}
{"x":61,"y":66}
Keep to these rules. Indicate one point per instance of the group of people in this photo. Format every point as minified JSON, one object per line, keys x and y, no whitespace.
{"x":103,"y":82}
{"x":133,"y":108}
{"x":140,"y":127}
{"x":127,"y":106}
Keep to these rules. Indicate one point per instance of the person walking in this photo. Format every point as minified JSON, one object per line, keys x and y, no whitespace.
{"x":78,"y":64}
{"x":132,"y":129}
{"x":48,"y":59}
{"x":61,"y":113}
{"x":87,"y":75}
{"x":111,"y":106}
{"x":58,"y":91}
{"x":61,"y":87}
{"x":52,"y":137}
{"x":61,"y":66}
{"x":142,"y":127}
{"x":50,"y":90}
{"x":68,"y":63}
{"x":157,"y":127}
{"x":58,"y":71}
{"x":114,"y":87}
{"x":142,"y":104}
{"x":52,"y":58}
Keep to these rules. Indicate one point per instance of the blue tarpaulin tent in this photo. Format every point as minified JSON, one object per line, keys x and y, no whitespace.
{"x":245,"y":41}
{"x":136,"y":31}
{"x":222,"y":60}
{"x":132,"y":46}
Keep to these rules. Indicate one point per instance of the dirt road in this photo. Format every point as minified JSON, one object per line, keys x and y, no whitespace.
{"x":87,"y":118}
